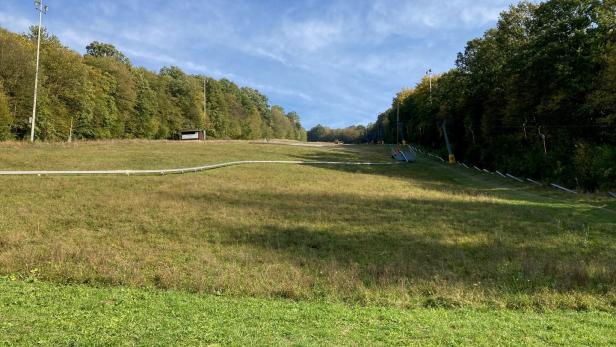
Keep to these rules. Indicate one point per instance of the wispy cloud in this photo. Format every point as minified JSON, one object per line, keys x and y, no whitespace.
{"x":280,"y":91}
{"x":312,"y":35}
{"x":13,"y":22}
{"x":336,"y":62}
{"x":76,"y":38}
{"x":149,"y":55}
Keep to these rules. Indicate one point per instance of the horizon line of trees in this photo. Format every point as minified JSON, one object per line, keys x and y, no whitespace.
{"x":101,"y":95}
{"x":350,"y":134}
{"x":534,"y":96}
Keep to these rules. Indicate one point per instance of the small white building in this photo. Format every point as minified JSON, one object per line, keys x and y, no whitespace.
{"x":192,"y":134}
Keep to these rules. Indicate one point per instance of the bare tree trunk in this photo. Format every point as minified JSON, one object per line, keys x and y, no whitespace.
{"x":470,"y":128}
{"x":545,"y":148}
{"x":70,"y":132}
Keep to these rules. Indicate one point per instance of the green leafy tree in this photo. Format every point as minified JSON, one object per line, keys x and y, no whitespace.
{"x":252,"y":126}
{"x":217,"y":111}
{"x":533,"y":96}
{"x":6,"y":118}
{"x":144,"y":123}
{"x":99,"y":49}
{"x":17,"y":54}
{"x":100,"y":95}
{"x":317,"y":133}
{"x":281,"y":127}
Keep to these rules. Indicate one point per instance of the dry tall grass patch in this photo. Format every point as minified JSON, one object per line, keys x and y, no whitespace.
{"x":419,"y":234}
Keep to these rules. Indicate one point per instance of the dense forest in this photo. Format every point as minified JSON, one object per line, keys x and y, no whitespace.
{"x":352,"y":134}
{"x":535,"y":96}
{"x":101,"y":95}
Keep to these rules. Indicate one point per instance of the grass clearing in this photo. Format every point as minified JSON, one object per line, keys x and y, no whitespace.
{"x":421,"y":235}
{"x":47,"y":314}
{"x":139,"y":154}
{"x":418,"y":242}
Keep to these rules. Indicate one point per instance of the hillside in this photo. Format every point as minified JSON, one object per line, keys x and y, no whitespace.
{"x":403,"y":237}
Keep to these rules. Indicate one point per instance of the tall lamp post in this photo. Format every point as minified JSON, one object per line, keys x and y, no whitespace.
{"x":204,"y":107}
{"x":429,"y":74}
{"x":398,"y":121}
{"x":42,"y":10}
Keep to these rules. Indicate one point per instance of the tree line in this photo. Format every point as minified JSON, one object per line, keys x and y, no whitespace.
{"x":351,"y":134}
{"x":101,"y":95}
{"x":535,"y":96}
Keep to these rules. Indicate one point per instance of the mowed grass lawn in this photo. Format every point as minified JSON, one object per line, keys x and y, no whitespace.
{"x":422,"y":253}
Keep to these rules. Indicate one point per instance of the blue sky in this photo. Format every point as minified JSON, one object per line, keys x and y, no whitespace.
{"x":334,"y":62}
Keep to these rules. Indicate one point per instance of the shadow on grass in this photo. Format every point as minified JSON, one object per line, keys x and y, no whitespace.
{"x":427,"y":174}
{"x":505,"y":247}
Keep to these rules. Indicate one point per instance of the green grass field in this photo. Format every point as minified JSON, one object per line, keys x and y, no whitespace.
{"x":421,"y":254}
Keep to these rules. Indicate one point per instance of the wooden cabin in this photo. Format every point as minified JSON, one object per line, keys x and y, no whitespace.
{"x":192,"y":135}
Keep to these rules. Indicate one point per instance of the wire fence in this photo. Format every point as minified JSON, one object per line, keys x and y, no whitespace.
{"x":504,"y":175}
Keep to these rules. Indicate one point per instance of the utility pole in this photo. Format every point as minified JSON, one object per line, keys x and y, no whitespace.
{"x":398,"y":122}
{"x":42,"y":9}
{"x":429,"y":73}
{"x":204,"y":108}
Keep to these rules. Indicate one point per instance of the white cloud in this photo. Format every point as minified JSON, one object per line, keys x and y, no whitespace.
{"x":15,"y":23}
{"x":422,"y":18}
{"x":76,"y":39}
{"x":312,"y":35}
{"x":340,"y":58}
{"x":107,"y":8}
{"x":280,"y":91}
{"x":480,"y":15}
{"x":149,"y":55}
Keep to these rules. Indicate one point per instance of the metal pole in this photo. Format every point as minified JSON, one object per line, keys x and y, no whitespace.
{"x":429,"y":73}
{"x":41,"y":8}
{"x":430,"y":83}
{"x":452,"y":158}
{"x":398,"y":122}
{"x":204,"y":108}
